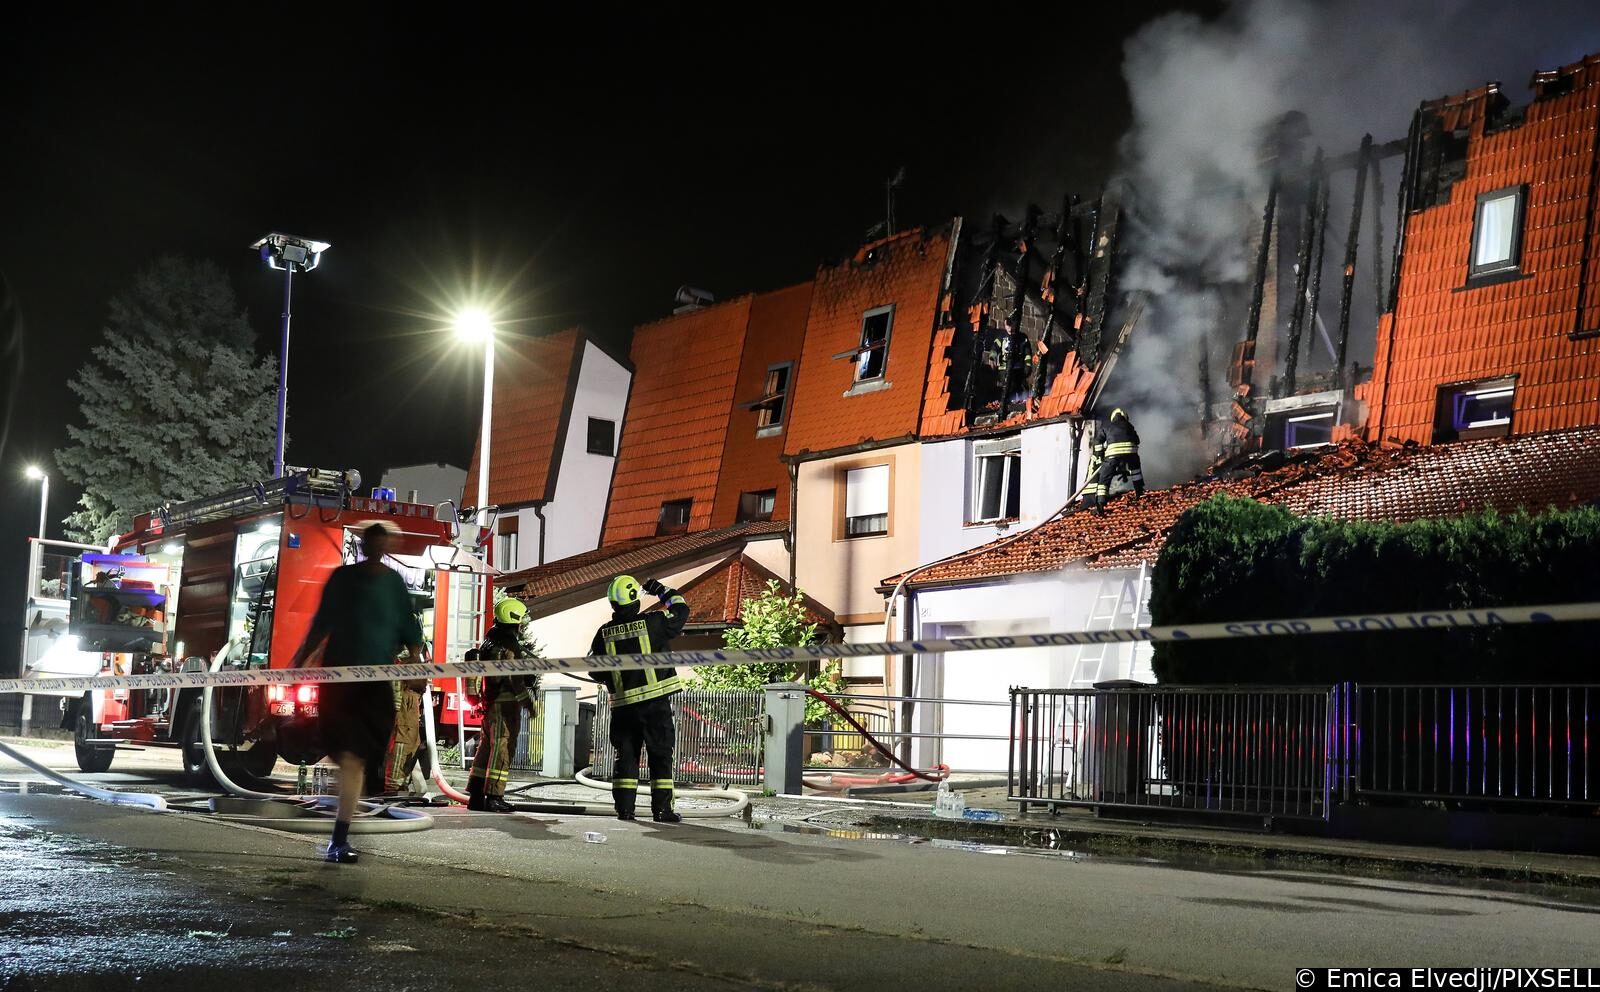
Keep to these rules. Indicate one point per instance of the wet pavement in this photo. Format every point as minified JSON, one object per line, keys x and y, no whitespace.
{"x":801,"y":895}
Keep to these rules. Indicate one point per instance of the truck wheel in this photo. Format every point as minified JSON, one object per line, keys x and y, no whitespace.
{"x":194,"y":753}
{"x":258,"y":762}
{"x":91,"y":757}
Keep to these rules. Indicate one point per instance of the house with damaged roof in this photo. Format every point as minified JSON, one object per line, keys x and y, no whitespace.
{"x":1482,"y":390}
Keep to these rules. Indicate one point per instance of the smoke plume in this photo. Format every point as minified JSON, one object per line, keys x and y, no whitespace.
{"x":1204,"y":93}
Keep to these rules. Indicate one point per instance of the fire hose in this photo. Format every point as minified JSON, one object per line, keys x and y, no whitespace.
{"x":148,"y":800}
{"x":740,"y":799}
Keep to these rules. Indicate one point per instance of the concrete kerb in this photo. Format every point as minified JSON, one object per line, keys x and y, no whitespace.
{"x":1222,"y":848}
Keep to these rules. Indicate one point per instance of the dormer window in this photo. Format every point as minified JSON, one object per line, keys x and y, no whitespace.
{"x":1474,"y":410}
{"x":1497,"y":233}
{"x":872,"y":357}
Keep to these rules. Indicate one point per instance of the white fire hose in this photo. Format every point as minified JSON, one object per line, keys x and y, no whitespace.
{"x":740,"y":799}
{"x":149,"y":800}
{"x":433,"y":747}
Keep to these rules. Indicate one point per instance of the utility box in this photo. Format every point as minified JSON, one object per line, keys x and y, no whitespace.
{"x":560,"y":724}
{"x":1121,"y":736}
{"x":783,"y":738}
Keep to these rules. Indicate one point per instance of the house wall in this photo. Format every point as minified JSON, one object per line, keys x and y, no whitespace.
{"x":434,"y":483}
{"x":1050,"y":602}
{"x":947,"y":487}
{"x":1445,"y":330}
{"x":583,"y":481}
{"x":844,"y":573}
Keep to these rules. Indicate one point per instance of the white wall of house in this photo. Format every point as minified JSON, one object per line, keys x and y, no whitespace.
{"x":576,"y":510}
{"x":948,"y":478}
{"x":1067,"y":600}
{"x":433,"y":483}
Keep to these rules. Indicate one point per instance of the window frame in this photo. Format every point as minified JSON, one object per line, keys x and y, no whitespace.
{"x":769,"y":496}
{"x":764,"y":408}
{"x":611,"y":437}
{"x":862,"y":347}
{"x":1447,"y":426}
{"x":1009,"y":449}
{"x":841,"y":481}
{"x":663,"y":529}
{"x":1512,"y":265}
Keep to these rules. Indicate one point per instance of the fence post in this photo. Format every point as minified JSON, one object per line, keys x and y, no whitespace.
{"x":560,"y":719}
{"x":782,"y":737}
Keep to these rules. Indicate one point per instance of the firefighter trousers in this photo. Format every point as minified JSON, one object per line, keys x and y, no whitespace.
{"x":491,"y":764}
{"x":405,"y":741}
{"x":646,"y":725}
{"x":1115,"y":466}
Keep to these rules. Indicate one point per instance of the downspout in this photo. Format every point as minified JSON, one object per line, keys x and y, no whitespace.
{"x":794,"y":506}
{"x":538,"y":511}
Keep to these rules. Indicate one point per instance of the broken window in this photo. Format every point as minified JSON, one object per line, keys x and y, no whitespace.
{"x":1303,"y":428}
{"x":674,"y":517}
{"x":757,"y":505}
{"x":1474,"y":410}
{"x":602,"y":436}
{"x":1497,"y":232}
{"x":872,"y":357}
{"x":996,"y":480}
{"x":866,"y":501}
{"x":774,"y":397}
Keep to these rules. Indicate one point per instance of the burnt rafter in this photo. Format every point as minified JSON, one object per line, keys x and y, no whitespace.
{"x":1352,"y":245}
{"x":980,"y":313}
{"x":1302,"y":273}
{"x":1049,"y":290}
{"x":1013,"y":344}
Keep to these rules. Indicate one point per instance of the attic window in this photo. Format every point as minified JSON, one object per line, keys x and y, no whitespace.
{"x":674,"y":518}
{"x":1474,"y":410}
{"x":996,"y":480}
{"x":872,"y":356}
{"x":757,"y":505}
{"x":1497,"y":233}
{"x":774,"y":398}
{"x":602,"y":436}
{"x":1305,"y":428}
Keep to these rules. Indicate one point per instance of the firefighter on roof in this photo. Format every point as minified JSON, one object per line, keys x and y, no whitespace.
{"x":1115,"y":455}
{"x":641,"y":703}
{"x":502,"y":698}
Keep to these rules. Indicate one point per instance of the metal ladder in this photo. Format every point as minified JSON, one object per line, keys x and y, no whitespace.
{"x":1089,"y":665}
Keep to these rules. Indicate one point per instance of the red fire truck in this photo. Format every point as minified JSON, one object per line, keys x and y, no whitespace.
{"x":233,"y":581}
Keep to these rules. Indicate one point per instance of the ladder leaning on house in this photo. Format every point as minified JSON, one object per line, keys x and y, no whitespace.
{"x":1121,"y":602}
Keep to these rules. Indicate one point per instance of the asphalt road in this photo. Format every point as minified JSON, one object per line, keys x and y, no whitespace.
{"x":487,"y":901}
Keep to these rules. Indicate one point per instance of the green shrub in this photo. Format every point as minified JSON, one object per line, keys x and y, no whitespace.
{"x":773,"y":620}
{"x":1233,"y":559}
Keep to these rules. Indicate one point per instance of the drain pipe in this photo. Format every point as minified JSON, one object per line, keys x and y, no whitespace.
{"x":149,"y":800}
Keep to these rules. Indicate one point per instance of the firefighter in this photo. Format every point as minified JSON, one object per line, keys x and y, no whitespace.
{"x":406,"y":741}
{"x":501,"y":700}
{"x":1116,"y":455}
{"x":641,"y":699}
{"x":1094,"y":487}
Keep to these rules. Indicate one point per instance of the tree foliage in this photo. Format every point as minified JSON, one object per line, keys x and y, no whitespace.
{"x":174,"y":402}
{"x":773,"y":620}
{"x":1232,"y":559}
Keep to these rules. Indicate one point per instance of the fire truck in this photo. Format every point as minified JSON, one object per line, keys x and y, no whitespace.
{"x":231,"y":582}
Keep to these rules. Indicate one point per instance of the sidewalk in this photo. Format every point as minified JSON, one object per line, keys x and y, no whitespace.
{"x":1081,"y":830}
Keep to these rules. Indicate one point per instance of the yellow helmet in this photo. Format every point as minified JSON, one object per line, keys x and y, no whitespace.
{"x":511,"y":612}
{"x":624,"y":591}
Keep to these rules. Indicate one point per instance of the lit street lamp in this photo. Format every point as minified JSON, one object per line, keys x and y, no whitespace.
{"x":289,"y":253}
{"x":35,"y":472}
{"x":475,"y":325}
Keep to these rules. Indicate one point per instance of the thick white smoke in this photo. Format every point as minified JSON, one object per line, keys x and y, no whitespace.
{"x":1203,"y":94}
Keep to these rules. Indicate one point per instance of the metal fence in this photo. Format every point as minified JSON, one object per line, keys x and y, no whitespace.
{"x":1263,"y":751}
{"x":1492,"y":744}
{"x":924,"y":748}
{"x":718,"y":737}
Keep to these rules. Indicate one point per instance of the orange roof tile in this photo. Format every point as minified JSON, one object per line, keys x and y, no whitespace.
{"x":685,"y":370}
{"x":752,"y":463}
{"x":1352,"y":481}
{"x":906,"y":271}
{"x":533,"y":381}
{"x":1444,"y":331}
{"x":717,"y":596}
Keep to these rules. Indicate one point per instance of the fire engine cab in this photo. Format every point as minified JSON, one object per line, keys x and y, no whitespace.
{"x":231,"y":582}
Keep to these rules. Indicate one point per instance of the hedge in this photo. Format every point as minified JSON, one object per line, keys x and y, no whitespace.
{"x":1236,"y":559}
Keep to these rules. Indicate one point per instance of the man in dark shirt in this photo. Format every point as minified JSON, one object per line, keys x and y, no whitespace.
{"x":365,"y":618}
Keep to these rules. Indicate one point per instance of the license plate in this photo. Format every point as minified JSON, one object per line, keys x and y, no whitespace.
{"x":284,"y":708}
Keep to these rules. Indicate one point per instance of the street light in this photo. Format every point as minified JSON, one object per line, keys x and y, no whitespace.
{"x":475,"y":325}
{"x":38,"y":474}
{"x":289,"y":253}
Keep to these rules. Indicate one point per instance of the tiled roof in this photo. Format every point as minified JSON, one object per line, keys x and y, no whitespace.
{"x":637,"y":557}
{"x":907,"y":271}
{"x":685,"y":370}
{"x":750,"y":463}
{"x":1443,"y":331}
{"x":716,"y":596}
{"x":1351,"y":481}
{"x":531,"y":384}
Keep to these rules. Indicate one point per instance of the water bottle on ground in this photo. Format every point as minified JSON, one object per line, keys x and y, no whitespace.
{"x":983,"y":815}
{"x":593,"y":837}
{"x":300,"y":782}
{"x":947,"y":803}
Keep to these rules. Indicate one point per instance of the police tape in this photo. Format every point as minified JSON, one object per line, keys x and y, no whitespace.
{"x":1246,"y":629}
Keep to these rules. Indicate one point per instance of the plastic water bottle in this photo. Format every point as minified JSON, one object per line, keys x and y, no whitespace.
{"x":300,"y":781}
{"x":948,"y":804}
{"x":593,"y":837}
{"x":984,"y":815}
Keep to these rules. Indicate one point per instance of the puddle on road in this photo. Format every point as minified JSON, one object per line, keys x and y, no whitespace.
{"x":970,"y":847}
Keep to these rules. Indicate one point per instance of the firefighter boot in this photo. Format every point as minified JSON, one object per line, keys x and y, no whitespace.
{"x":475,"y":798}
{"x":497,"y":804}
{"x":661,"y":806}
{"x":624,"y":800}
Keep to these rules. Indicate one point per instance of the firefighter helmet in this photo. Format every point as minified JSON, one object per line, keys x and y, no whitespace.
{"x":511,"y":612}
{"x":624,"y":591}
